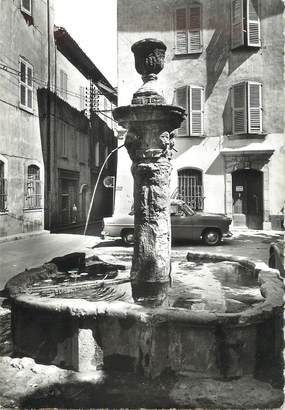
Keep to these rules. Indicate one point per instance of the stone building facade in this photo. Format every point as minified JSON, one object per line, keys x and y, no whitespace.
{"x":70,"y":138}
{"x":24,"y":40}
{"x":224,"y":65}
{"x":45,"y":122}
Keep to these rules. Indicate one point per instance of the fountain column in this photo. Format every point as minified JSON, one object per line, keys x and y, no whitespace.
{"x":150,"y":141}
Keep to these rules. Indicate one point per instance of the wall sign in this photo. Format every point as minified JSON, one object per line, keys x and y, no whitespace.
{"x":239,"y":188}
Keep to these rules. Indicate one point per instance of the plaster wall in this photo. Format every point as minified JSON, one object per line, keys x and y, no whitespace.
{"x":75,"y":80}
{"x":19,"y":129}
{"x":216,"y":69}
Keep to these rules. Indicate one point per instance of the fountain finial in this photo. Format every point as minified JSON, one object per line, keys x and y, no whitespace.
{"x":149,"y":61}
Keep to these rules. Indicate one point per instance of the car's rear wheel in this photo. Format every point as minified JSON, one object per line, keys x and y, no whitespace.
{"x":212,"y":237}
{"x":128,"y":237}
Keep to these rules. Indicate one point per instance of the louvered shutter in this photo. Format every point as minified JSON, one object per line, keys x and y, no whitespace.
{"x":237,"y":39}
{"x":181,"y":99}
{"x":254,"y":108}
{"x":196,"y":110}
{"x":239,"y":112}
{"x":253,"y":23}
{"x":195,"y":35}
{"x":181,"y":34}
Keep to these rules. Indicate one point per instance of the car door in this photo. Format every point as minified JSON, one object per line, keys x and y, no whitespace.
{"x":182,"y":225}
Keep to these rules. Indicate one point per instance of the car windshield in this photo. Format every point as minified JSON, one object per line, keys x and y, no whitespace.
{"x":178,"y":209}
{"x":187,"y":209}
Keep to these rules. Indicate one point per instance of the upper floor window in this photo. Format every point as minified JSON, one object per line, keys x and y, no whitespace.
{"x":3,"y":188}
{"x":246,"y":99}
{"x":63,"y":143}
{"x":192,"y":99}
{"x":33,"y":188}
{"x":26,"y":85}
{"x":81,"y":98}
{"x":188,"y":33}
{"x":83,"y":147}
{"x":245,"y":23}
{"x":63,"y":84}
{"x":26,"y":6}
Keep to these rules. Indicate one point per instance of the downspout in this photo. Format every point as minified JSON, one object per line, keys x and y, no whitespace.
{"x":49,"y":156}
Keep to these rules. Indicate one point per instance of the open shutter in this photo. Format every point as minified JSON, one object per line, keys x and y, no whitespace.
{"x":253,"y":23}
{"x":196,"y":110}
{"x":26,"y":6}
{"x":195,"y":35}
{"x":237,"y":39}
{"x":181,"y":99}
{"x":254,"y":108}
{"x":181,"y":40}
{"x":239,"y":112}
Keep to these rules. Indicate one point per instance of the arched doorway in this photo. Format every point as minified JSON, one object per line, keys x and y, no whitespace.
{"x":247,"y":194}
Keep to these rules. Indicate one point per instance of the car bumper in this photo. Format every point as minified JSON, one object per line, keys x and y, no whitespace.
{"x":227,"y":234}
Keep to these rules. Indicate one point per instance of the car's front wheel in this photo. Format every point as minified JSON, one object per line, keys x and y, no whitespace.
{"x":128,"y":237}
{"x":212,"y":237}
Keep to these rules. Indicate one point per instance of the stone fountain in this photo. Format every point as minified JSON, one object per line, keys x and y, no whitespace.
{"x":150,"y":140}
{"x":192,"y":352}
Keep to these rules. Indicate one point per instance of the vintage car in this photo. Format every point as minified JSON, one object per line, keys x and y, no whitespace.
{"x":186,"y":224}
{"x":276,"y":256}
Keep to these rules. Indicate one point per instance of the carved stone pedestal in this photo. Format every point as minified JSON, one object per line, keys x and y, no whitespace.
{"x":150,"y":141}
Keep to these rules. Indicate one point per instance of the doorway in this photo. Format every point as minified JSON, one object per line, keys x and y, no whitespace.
{"x":68,"y":198}
{"x":247,"y":191}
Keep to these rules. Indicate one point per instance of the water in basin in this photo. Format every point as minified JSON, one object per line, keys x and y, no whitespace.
{"x":209,"y":286}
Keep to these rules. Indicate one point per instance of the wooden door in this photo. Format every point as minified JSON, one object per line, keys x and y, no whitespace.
{"x":247,"y":185}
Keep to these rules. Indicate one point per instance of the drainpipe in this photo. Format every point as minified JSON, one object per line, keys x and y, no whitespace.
{"x":48,"y":147}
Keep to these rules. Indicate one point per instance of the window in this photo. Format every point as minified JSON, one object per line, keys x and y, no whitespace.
{"x":63,"y":84}
{"x":26,"y":6}
{"x":3,"y":188}
{"x":97,"y":154}
{"x":63,"y":143}
{"x":245,"y":23}
{"x":26,"y":85}
{"x":83,"y":147}
{"x":190,"y":188}
{"x":33,"y":188}
{"x":192,"y":99}
{"x":188,"y":34}
{"x":246,"y":99}
{"x":81,"y":98}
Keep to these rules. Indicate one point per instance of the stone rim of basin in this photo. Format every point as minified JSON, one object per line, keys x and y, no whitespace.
{"x":271,"y":288}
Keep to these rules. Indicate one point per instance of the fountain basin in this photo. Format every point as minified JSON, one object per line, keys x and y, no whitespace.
{"x":80,"y":335}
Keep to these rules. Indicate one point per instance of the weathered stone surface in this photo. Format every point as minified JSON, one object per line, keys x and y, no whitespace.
{"x":6,"y":343}
{"x":31,"y":385}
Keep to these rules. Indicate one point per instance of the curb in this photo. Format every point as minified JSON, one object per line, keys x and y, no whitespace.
{"x":26,"y":235}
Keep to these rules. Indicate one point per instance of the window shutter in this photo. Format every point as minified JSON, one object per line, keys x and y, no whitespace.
{"x":63,"y":84}
{"x":26,"y":6}
{"x":195,"y":35}
{"x":239,"y":113}
{"x":254,"y":108}
{"x":181,"y":46}
{"x":253,"y":23}
{"x":26,"y":85}
{"x":237,"y":23}
{"x":181,"y":99}
{"x":196,"y":110}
